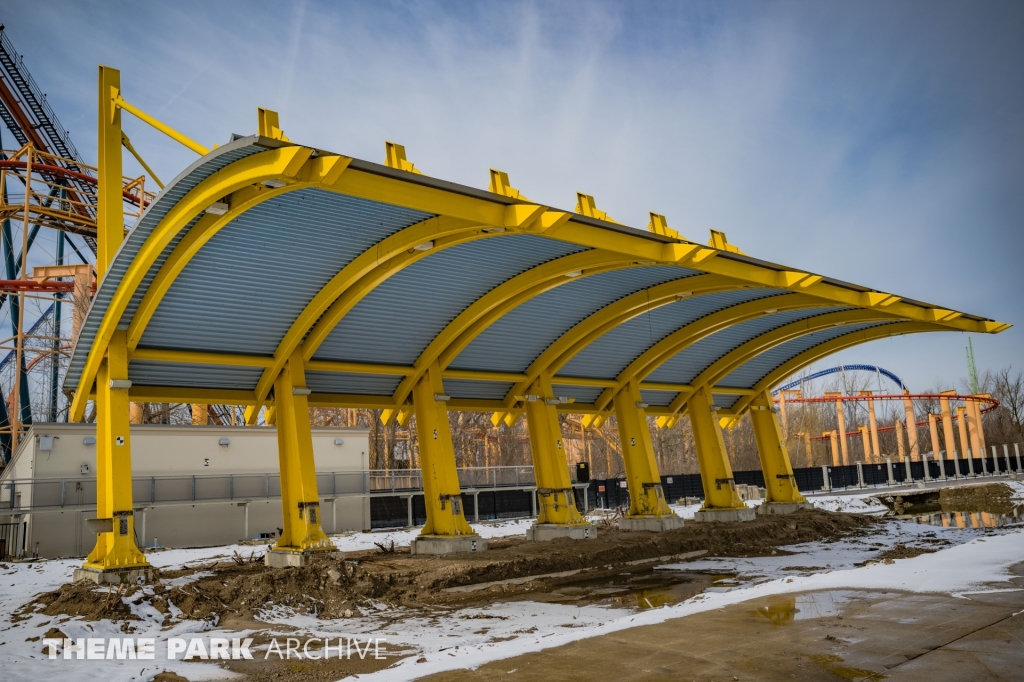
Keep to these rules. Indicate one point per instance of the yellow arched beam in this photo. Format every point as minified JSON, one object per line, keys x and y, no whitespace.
{"x":461,"y":331}
{"x":675,"y":342}
{"x":611,"y":316}
{"x":812,"y":355}
{"x":357,"y":279}
{"x":277,"y":164}
{"x":745,"y":352}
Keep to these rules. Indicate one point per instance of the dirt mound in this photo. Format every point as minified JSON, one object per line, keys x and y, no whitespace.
{"x":902,"y":551}
{"x":990,"y":497}
{"x":335,"y":588}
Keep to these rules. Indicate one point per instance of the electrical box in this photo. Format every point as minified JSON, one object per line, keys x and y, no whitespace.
{"x":85,"y":468}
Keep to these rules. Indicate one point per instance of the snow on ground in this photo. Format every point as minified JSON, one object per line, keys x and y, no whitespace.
{"x":973,"y":560}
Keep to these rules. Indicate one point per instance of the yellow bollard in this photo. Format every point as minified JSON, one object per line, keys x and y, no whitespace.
{"x":782,"y":496}
{"x":721,"y":500}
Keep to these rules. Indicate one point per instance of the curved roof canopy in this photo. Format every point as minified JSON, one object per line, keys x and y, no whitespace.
{"x":264,"y":248}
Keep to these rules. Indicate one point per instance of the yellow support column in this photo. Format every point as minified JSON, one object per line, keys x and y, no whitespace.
{"x":833,"y":439}
{"x":965,"y":443}
{"x":109,"y":206}
{"x":648,"y":509}
{"x":447,"y":530}
{"x":783,"y":496}
{"x":908,"y":409}
{"x":557,"y":514}
{"x":115,"y":558}
{"x":721,"y":500}
{"x":873,"y":425}
{"x":841,"y":419}
{"x":303,"y":536}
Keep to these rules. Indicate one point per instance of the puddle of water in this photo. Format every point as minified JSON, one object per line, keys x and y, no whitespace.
{"x":642,"y":589}
{"x":971,"y":519}
{"x":783,"y":610}
{"x":834,"y":664}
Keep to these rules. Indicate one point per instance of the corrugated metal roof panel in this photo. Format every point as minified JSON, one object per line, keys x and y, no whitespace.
{"x":398,"y":319}
{"x":659,"y":398}
{"x":758,"y":368}
{"x":522,"y":334}
{"x":483,"y":390}
{"x":612,"y":352}
{"x":164,"y":202}
{"x":145,"y":373}
{"x":724,"y":400}
{"x":359,"y":384}
{"x":686,"y":365}
{"x":259,"y":272}
{"x":582,"y":394}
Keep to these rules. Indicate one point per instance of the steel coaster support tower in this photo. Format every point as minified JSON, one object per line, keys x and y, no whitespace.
{"x":648,"y":509}
{"x":783,"y":496}
{"x":557,"y":514}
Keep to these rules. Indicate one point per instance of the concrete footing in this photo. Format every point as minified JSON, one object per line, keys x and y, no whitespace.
{"x":277,"y":558}
{"x":654,"y":524}
{"x":725,"y":515}
{"x":444,"y":544}
{"x":130,"y":576}
{"x":779,"y":508}
{"x":542,"y":532}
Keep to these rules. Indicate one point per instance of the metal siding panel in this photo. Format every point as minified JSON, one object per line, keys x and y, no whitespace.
{"x":513,"y":342}
{"x":164,"y":202}
{"x":359,"y":384}
{"x":611,"y":353}
{"x":257,"y":274}
{"x":582,"y":394}
{"x":399,"y":318}
{"x":145,"y":373}
{"x":481,"y":390}
{"x":686,"y":365}
{"x":758,"y":368}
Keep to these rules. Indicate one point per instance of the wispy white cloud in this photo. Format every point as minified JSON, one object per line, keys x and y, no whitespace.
{"x":876,"y":143}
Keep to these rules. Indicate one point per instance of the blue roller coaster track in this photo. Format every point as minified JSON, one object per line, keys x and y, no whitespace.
{"x":844,"y":368}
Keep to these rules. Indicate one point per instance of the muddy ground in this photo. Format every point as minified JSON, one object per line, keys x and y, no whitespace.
{"x":235,"y":593}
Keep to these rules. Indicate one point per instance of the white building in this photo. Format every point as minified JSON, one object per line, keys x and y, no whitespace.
{"x":192,"y":486}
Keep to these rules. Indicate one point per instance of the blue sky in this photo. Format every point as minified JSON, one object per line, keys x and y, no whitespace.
{"x":876,"y":142}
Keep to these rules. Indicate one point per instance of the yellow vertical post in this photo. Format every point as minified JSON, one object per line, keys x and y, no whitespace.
{"x":865,"y":437}
{"x":721,"y":500}
{"x":972,"y":428}
{"x":557,"y":514}
{"x":200,"y":414}
{"x":908,"y":409}
{"x":446,"y":529}
{"x":648,"y":509}
{"x":783,"y":495}
{"x":109,"y":206}
{"x":933,"y":430}
{"x":300,"y":501}
{"x":873,"y":425}
{"x":981,"y":426}
{"x":115,"y":557}
{"x":782,"y":414}
{"x":947,"y":423}
{"x":833,"y":439}
{"x":900,"y":450}
{"x":841,"y":418}
{"x":965,"y":443}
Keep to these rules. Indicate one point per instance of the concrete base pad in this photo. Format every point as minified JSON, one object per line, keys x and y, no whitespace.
{"x":542,"y":532}
{"x":775,"y":508}
{"x":443,"y":544}
{"x":276,"y":558}
{"x":725,"y":515}
{"x":654,"y":524}
{"x":130,"y":576}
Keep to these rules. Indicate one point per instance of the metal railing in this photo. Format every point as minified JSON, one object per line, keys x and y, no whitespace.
{"x":26,"y":494}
